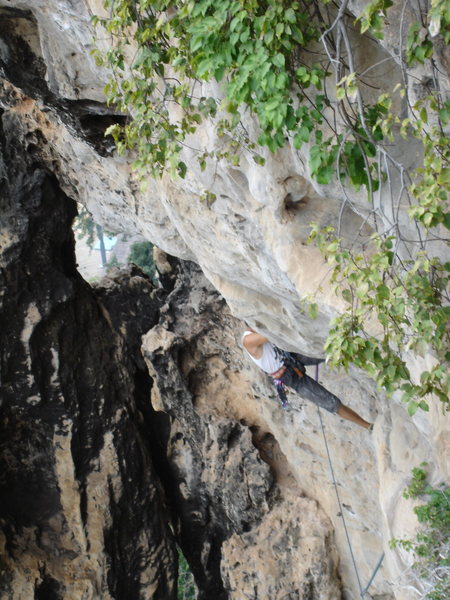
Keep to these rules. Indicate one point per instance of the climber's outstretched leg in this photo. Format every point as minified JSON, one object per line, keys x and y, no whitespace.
{"x":312,"y":390}
{"x":347,"y":413}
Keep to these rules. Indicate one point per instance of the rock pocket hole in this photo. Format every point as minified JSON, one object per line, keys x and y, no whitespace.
{"x":234,"y":437}
{"x":293,"y":205}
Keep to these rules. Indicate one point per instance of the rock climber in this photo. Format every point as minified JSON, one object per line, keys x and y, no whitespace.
{"x":288,"y":369}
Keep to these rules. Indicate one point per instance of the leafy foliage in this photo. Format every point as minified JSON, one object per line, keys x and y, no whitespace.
{"x":432,"y":545}
{"x":256,"y":55}
{"x":250,"y":45}
{"x":406,"y":300}
{"x":85,"y":227}
{"x":431,"y":186}
{"x":88,"y":229}
{"x":439,"y":18}
{"x":141,"y":254}
{"x":187,"y":589}
{"x":373,"y":15}
{"x":112,"y":262}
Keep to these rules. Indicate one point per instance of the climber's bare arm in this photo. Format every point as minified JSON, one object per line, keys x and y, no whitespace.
{"x":253,"y":343}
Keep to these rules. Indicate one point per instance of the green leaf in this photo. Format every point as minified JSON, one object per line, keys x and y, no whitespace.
{"x":234,"y":23}
{"x":347,"y":295}
{"x":197,"y":42}
{"x":181,"y":168}
{"x":313,"y":310}
{"x":259,"y":160}
{"x":234,"y":38}
{"x":382,"y":292}
{"x":412,"y":407}
{"x":447,"y":220}
{"x":204,"y":67}
{"x":297,"y":141}
{"x":279,"y":60}
{"x":289,"y":15}
{"x":301,"y":136}
{"x":291,"y":120}
{"x":219,"y":73}
{"x":444,"y":176}
{"x":274,"y":104}
{"x":444,"y":115}
{"x":268,"y":37}
{"x":271,"y":144}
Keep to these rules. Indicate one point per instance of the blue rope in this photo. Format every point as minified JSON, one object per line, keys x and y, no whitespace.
{"x":341,"y":512}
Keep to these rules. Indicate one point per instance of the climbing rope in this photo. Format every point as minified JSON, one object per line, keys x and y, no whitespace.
{"x":362,"y":592}
{"x":341,"y":512}
{"x":375,"y":571}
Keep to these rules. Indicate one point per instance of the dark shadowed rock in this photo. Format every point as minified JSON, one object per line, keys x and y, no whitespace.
{"x":81,"y":511}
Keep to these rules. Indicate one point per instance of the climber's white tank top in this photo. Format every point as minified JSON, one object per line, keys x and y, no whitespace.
{"x":268,"y":362}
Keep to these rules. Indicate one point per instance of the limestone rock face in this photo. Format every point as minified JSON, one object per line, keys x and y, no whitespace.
{"x":260,"y":221}
{"x":247,"y":487}
{"x":98,"y":482}
{"x":242,"y":532}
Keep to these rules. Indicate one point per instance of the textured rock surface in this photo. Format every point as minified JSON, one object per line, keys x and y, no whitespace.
{"x":274,"y":542}
{"x":81,"y":513}
{"x":250,"y":245}
{"x":91,"y":475}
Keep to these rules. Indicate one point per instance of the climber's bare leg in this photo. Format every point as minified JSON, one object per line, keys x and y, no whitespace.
{"x":312,"y":390}
{"x":347,"y":413}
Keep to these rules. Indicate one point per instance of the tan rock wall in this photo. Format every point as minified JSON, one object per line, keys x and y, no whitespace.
{"x":275,"y":542}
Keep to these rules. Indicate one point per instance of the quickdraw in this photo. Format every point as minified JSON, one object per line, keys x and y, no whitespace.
{"x":280,"y":387}
{"x":289,"y":362}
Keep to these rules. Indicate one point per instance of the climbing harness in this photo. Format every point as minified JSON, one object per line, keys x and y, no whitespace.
{"x":280,"y":387}
{"x":289,"y":362}
{"x":362,"y":592}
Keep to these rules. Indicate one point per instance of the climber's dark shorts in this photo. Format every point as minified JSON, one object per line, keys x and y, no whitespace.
{"x":307,"y":388}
